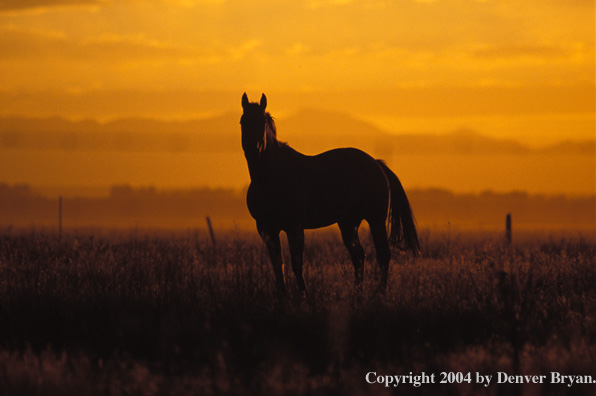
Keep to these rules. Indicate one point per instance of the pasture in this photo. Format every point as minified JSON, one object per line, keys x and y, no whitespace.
{"x":164,"y":314}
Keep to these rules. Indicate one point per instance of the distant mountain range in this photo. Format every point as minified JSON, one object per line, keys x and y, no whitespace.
{"x":309,"y":131}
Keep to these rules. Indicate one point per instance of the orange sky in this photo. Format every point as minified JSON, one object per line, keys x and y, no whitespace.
{"x":521,"y":69}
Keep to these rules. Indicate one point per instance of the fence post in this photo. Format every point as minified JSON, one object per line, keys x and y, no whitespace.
{"x":210,"y":230}
{"x":508,"y":229}
{"x":60,"y":217}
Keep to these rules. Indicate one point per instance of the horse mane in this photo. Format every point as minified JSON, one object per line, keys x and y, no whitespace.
{"x":271,"y":125}
{"x":272,"y":129}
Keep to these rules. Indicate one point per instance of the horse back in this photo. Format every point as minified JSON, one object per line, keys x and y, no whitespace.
{"x":317,"y":191}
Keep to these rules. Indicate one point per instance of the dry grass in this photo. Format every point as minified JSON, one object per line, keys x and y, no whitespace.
{"x":170,"y":315}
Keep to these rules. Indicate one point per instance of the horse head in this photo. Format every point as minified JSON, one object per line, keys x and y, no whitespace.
{"x":254,"y":127}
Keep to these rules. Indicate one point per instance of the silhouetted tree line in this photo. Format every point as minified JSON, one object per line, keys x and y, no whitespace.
{"x":127,"y":206}
{"x":488,"y":209}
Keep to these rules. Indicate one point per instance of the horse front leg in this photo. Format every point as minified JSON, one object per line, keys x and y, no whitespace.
{"x":296,"y":242}
{"x":271,"y":239}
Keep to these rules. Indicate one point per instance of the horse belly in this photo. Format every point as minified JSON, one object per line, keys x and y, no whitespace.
{"x":320,"y":217}
{"x":332,"y":202}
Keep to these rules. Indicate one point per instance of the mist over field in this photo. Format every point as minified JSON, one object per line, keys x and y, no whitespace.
{"x":188,"y":154}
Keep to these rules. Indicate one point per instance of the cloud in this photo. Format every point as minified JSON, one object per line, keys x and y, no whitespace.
{"x":27,"y":46}
{"x":367,"y":43}
{"x":15,"y":5}
{"x":18,"y":43}
{"x":316,"y":4}
{"x":129,"y":46}
{"x":23,"y":43}
{"x":523,"y":50}
{"x":192,"y":3}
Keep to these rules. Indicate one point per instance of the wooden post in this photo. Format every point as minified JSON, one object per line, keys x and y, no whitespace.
{"x":60,"y":217}
{"x":508,"y":229}
{"x":210,"y":230}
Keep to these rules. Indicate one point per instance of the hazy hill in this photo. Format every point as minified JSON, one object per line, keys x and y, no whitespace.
{"x":206,"y":152}
{"x":128,"y":135}
{"x":308,"y":130}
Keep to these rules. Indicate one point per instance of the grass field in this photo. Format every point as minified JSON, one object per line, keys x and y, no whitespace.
{"x":172,"y":315}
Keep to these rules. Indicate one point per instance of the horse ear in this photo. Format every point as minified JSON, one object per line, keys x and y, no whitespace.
{"x":263,"y":102}
{"x":244,"y":100}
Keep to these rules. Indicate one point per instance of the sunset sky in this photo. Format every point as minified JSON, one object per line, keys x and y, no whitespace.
{"x":522,"y":69}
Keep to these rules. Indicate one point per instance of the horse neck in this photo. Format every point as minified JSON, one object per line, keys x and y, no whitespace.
{"x":266,"y":162}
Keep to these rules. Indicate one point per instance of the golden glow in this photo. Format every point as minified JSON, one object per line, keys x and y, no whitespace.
{"x":508,"y":69}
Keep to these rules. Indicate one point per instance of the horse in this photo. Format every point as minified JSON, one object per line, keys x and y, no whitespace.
{"x":290,"y":191}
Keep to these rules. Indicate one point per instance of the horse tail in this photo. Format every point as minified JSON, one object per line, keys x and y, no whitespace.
{"x":401,"y":219}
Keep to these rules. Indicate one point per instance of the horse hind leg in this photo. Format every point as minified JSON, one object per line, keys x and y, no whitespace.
{"x":296,"y":242}
{"x":379,"y":236}
{"x":349,"y":234}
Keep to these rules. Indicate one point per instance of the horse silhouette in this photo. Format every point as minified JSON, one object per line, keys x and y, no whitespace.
{"x":291,"y":192}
